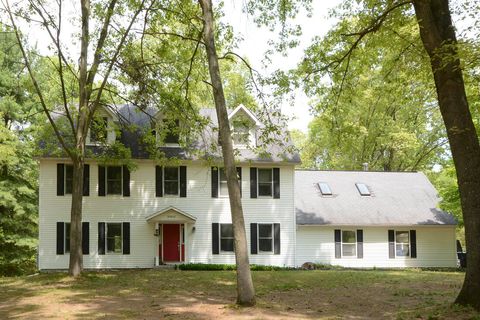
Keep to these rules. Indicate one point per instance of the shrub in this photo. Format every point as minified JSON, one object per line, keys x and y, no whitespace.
{"x":228,"y":267}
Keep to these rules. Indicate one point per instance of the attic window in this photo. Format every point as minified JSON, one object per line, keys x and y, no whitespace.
{"x":363,"y":189}
{"x":98,"y":130}
{"x":325,"y":189}
{"x":171,"y":127}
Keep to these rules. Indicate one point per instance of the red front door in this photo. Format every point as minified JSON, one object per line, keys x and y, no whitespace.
{"x":171,"y":242}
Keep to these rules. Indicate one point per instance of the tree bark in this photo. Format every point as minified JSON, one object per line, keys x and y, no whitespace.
{"x":245,"y":289}
{"x":76,"y":255}
{"x":438,"y":37}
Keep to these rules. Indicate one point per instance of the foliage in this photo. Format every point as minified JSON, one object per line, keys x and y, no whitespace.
{"x":18,"y":170}
{"x":228,"y":267}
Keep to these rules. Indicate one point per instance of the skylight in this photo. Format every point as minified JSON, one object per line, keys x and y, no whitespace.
{"x":363,"y":189}
{"x":325,"y":189}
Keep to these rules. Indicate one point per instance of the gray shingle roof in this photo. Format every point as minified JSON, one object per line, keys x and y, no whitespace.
{"x":129,"y":115}
{"x":398,"y":198}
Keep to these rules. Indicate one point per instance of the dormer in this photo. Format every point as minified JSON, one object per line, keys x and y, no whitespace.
{"x":166,"y":130}
{"x":102,"y":128}
{"x":244,"y":125}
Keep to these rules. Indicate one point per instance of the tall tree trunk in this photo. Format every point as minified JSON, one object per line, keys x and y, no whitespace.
{"x":76,"y":256}
{"x":245,"y":289}
{"x":439,"y":40}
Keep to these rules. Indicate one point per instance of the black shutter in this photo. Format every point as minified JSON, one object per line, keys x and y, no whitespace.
{"x":391,"y":244}
{"x":276,"y":238}
{"x":215,"y":238}
{"x":60,"y":238}
{"x":276,"y":183}
{"x":85,"y":238}
{"x":338,"y":243}
{"x":86,"y":180}
{"x":101,"y":181}
{"x":158,"y":181}
{"x":253,"y":238}
{"x":360,"y":244}
{"x":101,"y":238}
{"x":239,"y":174}
{"x":413,"y":244}
{"x":183,"y":181}
{"x":126,"y":238}
{"x":253,"y":182}
{"x":215,"y":174}
{"x":126,"y":182}
{"x":60,"y":179}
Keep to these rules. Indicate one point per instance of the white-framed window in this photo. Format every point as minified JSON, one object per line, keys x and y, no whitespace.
{"x":240,"y":134}
{"x":68,"y":176}
{"x":222,"y":183}
{"x":114,"y":237}
{"x":402,"y":243}
{"x":226,"y":237}
{"x":99,"y":130}
{"x":172,"y":131}
{"x":114,"y":178}
{"x":171,"y":181}
{"x":265,"y":237}
{"x":67,"y":237}
{"x":265,"y":182}
{"x":349,"y":243}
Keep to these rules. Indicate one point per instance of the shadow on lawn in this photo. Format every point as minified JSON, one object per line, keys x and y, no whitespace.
{"x":154,"y":294}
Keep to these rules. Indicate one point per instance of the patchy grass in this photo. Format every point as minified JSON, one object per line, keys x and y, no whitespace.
{"x":154,"y":294}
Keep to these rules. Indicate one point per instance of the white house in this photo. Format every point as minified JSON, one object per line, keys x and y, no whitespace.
{"x":179,"y":212}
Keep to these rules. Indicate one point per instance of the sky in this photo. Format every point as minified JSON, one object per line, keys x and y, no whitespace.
{"x":253,"y":46}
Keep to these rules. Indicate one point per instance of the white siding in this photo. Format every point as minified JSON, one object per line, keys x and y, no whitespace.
{"x":435,"y":247}
{"x":142,"y":203}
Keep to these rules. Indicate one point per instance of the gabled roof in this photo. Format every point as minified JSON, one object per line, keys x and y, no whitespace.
{"x":249,"y":113}
{"x":397,"y":199}
{"x":170,"y":214}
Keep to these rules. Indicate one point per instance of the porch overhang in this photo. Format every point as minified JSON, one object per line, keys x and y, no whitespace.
{"x":171,"y":215}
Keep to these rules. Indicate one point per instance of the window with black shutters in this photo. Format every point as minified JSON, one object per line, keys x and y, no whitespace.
{"x":68,"y":178}
{"x":114,"y":180}
{"x":67,"y":237}
{"x":171,"y":181}
{"x":402,"y":244}
{"x":265,"y":182}
{"x":114,"y":237}
{"x":226,"y":237}
{"x":265,"y":237}
{"x":349,"y":243}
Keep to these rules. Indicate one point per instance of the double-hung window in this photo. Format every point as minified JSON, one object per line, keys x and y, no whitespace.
{"x":226,"y":237}
{"x":222,"y":182}
{"x":171,"y":181}
{"x":114,"y":237}
{"x":265,"y":237}
{"x":349,"y":243}
{"x":265,"y":182}
{"x":402,"y":243}
{"x":99,"y":130}
{"x":114,"y":180}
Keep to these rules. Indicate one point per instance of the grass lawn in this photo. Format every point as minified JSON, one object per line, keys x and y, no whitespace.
{"x":165,"y":294}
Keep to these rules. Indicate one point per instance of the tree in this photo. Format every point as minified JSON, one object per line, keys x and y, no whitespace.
{"x":439,"y":41}
{"x":91,"y":78}
{"x":245,"y":289}
{"x":18,"y":174}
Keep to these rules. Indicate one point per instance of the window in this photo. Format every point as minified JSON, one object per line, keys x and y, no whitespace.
{"x":114,"y":180}
{"x":171,"y":128}
{"x":349,"y":243}
{"x":402,"y":243}
{"x":222,"y":181}
{"x":171,"y":180}
{"x":114,"y":238}
{"x":363,"y":189}
{"x":240,"y":134}
{"x":265,"y":182}
{"x":67,"y":237}
{"x":226,"y":237}
{"x":265,"y":237}
{"x":68,"y":178}
{"x":325,"y":189}
{"x":98,"y":130}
